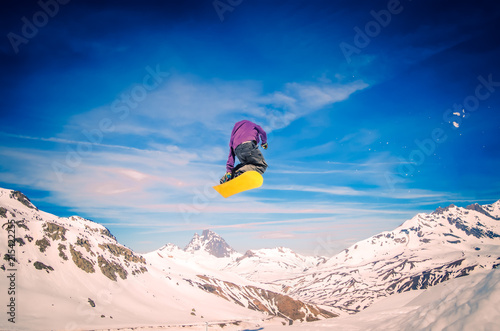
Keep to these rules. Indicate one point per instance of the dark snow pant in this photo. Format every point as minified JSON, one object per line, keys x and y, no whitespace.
{"x":250,"y":158}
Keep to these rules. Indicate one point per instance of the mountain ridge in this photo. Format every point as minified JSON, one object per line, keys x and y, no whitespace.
{"x":72,"y":273}
{"x":423,"y":251}
{"x":426,"y":250}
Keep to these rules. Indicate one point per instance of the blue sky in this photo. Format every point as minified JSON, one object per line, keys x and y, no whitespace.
{"x":376,"y":110}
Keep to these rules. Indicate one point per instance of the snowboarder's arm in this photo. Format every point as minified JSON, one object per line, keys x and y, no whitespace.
{"x":230,"y":160}
{"x":262,"y":133}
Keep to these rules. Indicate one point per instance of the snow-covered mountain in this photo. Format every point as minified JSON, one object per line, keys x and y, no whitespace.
{"x":272,"y":264}
{"x":211,"y":243}
{"x":210,"y":274}
{"x":72,"y":273}
{"x":424,"y":251}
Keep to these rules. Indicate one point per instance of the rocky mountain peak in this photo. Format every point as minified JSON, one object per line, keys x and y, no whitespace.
{"x":493,"y":209}
{"x":210,"y":242}
{"x":170,"y":248}
{"x":480,"y":209}
{"x":207,"y":234}
{"x":23,"y":199}
{"x":440,"y":210}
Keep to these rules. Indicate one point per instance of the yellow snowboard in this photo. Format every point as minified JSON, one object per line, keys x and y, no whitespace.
{"x":244,"y":182}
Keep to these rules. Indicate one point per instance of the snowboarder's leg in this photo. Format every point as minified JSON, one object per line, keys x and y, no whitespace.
{"x":237,"y":171}
{"x":251,"y":158}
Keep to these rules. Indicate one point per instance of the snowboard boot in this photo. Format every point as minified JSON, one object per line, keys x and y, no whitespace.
{"x":227,"y":177}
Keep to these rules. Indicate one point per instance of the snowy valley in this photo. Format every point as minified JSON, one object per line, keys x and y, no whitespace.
{"x":73,"y":274}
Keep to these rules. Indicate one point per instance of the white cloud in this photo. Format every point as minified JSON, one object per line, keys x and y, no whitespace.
{"x":107,"y":179}
{"x":413,"y":194}
{"x":300,"y":99}
{"x":314,"y":96}
{"x":333,"y":190}
{"x":186,"y":109}
{"x":277,"y":235}
{"x":360,"y":139}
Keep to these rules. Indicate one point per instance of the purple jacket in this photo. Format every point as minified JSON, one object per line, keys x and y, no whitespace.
{"x":243,"y":131}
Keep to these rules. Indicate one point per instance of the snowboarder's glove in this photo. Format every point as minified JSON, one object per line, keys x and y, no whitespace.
{"x":264,"y":146}
{"x":227,"y":176}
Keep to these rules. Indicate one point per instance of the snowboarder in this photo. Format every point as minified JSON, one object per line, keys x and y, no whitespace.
{"x":244,"y":143}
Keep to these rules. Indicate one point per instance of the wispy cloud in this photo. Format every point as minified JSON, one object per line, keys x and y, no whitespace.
{"x":300,"y":99}
{"x":69,"y":141}
{"x":277,"y":235}
{"x":328,"y":190}
{"x":349,"y":191}
{"x":315,"y":96}
{"x":200,"y":111}
{"x":360,"y":139}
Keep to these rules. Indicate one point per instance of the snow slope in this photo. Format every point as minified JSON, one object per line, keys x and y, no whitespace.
{"x":272,"y":264}
{"x":465,"y":303}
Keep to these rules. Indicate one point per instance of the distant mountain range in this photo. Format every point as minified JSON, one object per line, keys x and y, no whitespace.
{"x":73,"y":273}
{"x":424,"y":251}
